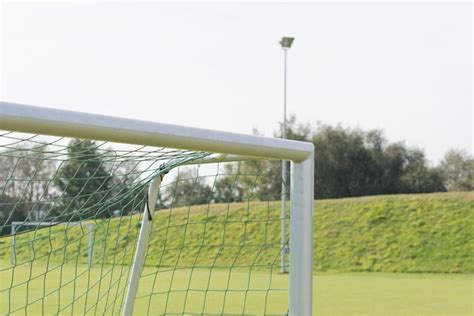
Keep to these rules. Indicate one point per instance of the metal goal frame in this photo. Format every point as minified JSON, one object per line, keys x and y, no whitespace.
{"x":229,"y":146}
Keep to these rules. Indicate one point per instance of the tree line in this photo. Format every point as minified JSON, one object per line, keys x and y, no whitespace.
{"x":91,"y":183}
{"x":348,"y":162}
{"x":37,"y":184}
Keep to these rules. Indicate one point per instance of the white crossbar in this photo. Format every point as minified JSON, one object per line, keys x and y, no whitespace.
{"x":40,"y":120}
{"x":231,"y":146}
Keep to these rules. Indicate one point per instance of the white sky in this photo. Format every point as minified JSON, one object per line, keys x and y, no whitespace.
{"x":405,"y":68}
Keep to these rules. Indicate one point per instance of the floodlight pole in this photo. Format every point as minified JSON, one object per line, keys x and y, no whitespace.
{"x":285,"y":44}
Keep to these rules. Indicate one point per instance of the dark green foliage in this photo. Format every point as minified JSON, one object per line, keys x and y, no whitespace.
{"x":83,"y":180}
{"x":235,"y":182}
{"x":418,"y":177}
{"x":227,"y":189}
{"x":355,"y":163}
{"x":11,"y":209}
{"x":294,"y":130}
{"x":187,"y":188}
{"x":25,"y":175}
{"x":342,"y":163}
{"x":457,"y":169}
{"x":128,"y":195}
{"x":255,"y":179}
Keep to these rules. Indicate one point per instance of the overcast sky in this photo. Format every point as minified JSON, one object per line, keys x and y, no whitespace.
{"x":405,"y":68}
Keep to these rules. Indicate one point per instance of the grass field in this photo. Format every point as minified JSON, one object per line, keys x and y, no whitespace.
{"x":363,"y":249}
{"x":334,"y":294}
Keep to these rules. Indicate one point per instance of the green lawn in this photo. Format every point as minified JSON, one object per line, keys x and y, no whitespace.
{"x":364,"y":248}
{"x":334,"y":294}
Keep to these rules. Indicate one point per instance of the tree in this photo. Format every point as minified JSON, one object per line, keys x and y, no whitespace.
{"x":348,"y":162}
{"x":228,"y":187}
{"x":417,"y":177}
{"x":294,"y":130}
{"x":457,"y":168}
{"x":394,"y":161}
{"x":187,"y":188}
{"x":127,"y":193}
{"x":342,"y":162}
{"x":249,"y":180}
{"x":255,"y":179}
{"x":31,"y":166}
{"x":11,"y":209}
{"x":83,"y":181}
{"x":25,"y":177}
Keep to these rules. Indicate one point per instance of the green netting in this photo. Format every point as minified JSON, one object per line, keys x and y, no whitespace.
{"x":70,"y":215}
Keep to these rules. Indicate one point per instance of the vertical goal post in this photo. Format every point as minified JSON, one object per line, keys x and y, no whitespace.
{"x":224,"y":146}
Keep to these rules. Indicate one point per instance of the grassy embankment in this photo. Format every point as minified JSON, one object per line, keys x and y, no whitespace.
{"x":404,"y":233}
{"x":398,"y":233}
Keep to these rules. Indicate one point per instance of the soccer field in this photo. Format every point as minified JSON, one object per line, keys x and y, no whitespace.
{"x":334,"y":294}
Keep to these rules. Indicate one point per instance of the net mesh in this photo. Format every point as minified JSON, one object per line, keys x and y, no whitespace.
{"x":70,"y":215}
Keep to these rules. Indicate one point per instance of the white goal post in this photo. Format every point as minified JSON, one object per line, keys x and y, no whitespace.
{"x":228,"y":146}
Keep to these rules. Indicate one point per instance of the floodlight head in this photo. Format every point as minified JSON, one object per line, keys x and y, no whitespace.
{"x":286,"y":42}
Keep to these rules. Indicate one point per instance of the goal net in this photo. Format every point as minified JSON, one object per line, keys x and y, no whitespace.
{"x":96,"y":227}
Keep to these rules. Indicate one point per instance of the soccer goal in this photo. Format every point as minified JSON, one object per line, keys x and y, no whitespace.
{"x":102,"y":215}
